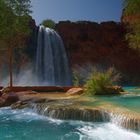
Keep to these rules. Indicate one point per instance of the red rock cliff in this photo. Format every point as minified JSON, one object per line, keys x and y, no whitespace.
{"x":104,"y":43}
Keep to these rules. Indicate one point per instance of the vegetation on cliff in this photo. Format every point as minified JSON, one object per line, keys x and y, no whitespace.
{"x":131,"y":15}
{"x":48,"y":23}
{"x":131,"y":7}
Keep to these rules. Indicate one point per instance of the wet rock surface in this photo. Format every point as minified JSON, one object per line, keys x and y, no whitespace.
{"x":20,"y":105}
{"x":73,"y":113}
{"x":7,"y":99}
{"x":75,"y":91}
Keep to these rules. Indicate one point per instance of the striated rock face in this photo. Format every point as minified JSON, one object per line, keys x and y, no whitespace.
{"x":100,"y":44}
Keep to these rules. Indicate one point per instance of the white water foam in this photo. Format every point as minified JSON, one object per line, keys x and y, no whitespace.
{"x":85,"y":130}
{"x":106,"y":132}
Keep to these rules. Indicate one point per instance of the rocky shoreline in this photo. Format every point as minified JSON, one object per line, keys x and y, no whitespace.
{"x":70,"y":106}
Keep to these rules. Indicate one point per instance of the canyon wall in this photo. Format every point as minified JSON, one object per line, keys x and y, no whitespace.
{"x":101,"y":44}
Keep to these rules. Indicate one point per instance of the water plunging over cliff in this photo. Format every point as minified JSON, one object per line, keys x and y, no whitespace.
{"x":51,"y":60}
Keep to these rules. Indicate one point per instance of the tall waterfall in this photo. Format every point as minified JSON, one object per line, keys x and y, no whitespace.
{"x":51,"y":60}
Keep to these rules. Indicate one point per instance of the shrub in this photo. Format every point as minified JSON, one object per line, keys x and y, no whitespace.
{"x":98,"y":81}
{"x":48,"y":23}
{"x":77,"y":79}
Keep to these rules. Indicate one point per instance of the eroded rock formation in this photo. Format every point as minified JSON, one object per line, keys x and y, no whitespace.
{"x":101,"y":44}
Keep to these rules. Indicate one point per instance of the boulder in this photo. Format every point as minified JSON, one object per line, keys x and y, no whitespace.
{"x":20,"y":105}
{"x":7,"y":99}
{"x":113,"y":90}
{"x":75,"y":91}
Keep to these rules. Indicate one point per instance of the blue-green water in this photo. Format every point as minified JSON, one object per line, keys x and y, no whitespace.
{"x":129,"y":101}
{"x":27,"y":125}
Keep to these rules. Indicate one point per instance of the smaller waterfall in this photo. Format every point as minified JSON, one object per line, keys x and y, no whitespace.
{"x":73,"y":113}
{"x":127,"y":121}
{"x":51,"y":60}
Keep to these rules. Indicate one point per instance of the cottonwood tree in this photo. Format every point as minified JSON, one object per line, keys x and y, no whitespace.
{"x":14,"y":26}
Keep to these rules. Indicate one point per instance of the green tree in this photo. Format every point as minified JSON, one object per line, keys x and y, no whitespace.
{"x":14,"y":26}
{"x":132,"y":12}
{"x":131,"y":7}
{"x":48,"y":23}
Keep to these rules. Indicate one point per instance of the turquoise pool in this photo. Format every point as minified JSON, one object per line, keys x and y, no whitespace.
{"x":27,"y":125}
{"x":129,"y":101}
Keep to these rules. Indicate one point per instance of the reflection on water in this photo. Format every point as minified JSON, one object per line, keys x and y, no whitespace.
{"x":27,"y":125}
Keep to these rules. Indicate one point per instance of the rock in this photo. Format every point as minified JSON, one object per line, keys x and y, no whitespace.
{"x":105,"y":45}
{"x":1,"y":93}
{"x":5,"y":90}
{"x":113,"y":90}
{"x":75,"y":91}
{"x":7,"y":99}
{"x":20,"y":105}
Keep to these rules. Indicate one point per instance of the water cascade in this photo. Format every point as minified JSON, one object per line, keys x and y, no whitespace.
{"x":52,"y":67}
{"x":130,"y":122}
{"x":68,"y":112}
{"x":73,"y":113}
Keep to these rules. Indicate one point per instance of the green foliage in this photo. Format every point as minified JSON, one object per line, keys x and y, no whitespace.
{"x":48,"y":23}
{"x":131,"y":7}
{"x":19,"y":7}
{"x":97,"y":81}
{"x":76,"y":78}
{"x":14,"y":25}
{"x":133,"y":37}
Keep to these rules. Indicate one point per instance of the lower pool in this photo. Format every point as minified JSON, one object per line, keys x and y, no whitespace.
{"x":25,"y":124}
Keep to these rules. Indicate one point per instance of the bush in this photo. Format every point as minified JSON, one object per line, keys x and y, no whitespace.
{"x":98,"y":81}
{"x":76,"y":79}
{"x":48,"y":23}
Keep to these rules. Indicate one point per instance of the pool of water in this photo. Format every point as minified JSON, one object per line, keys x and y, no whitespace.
{"x":129,"y":101}
{"x":27,"y":125}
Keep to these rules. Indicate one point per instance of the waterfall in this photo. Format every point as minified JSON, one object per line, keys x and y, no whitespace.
{"x":68,"y":112}
{"x":131,"y":122}
{"x":73,"y":113}
{"x":52,"y":67}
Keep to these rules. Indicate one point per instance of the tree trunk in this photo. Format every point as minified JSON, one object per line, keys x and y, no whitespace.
{"x":10,"y":66}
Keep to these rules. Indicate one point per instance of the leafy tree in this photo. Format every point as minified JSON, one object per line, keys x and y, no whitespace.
{"x":132,"y":9}
{"x":14,"y":26}
{"x":48,"y":23}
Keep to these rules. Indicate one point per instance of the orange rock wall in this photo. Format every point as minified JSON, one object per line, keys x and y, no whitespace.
{"x":104,"y":43}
